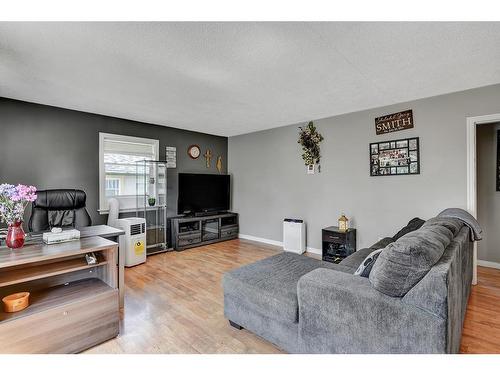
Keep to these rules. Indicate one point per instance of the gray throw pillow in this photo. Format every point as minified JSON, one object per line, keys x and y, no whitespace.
{"x":405,"y":262}
{"x":366,"y":266}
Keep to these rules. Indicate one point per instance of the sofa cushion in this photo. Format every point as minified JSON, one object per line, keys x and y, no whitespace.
{"x":269,"y":286}
{"x":366,"y":266}
{"x":354,"y":260}
{"x":452,"y":224}
{"x":380,"y":244}
{"x":405,"y":262}
{"x":412,"y":225}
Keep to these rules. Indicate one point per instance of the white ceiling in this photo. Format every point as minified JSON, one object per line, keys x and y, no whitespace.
{"x":235,"y":78}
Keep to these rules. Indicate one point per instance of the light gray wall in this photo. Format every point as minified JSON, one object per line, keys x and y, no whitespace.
{"x":488,"y":199}
{"x":51,"y":147}
{"x":270,"y":180}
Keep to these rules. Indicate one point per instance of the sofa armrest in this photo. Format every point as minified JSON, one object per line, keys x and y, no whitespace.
{"x":343,"y":313}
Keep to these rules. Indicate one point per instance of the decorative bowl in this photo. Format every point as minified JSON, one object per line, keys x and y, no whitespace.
{"x":16,"y":302}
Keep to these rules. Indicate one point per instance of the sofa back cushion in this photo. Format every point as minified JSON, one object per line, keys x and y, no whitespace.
{"x":452,"y":224}
{"x":412,"y":225}
{"x":403,"y":263}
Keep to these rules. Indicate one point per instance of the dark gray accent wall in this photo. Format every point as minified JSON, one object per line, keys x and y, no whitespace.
{"x":52,"y":148}
{"x":488,"y":199}
{"x":270,"y":180}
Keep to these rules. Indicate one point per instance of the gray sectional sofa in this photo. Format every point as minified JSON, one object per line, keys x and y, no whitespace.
{"x":413,"y":301}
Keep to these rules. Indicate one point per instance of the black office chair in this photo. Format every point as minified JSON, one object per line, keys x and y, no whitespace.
{"x":59,"y":208}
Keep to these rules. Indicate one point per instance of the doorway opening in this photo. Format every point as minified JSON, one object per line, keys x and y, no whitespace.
{"x":472,"y":125}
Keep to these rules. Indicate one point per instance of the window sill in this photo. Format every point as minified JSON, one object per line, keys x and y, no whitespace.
{"x":129,"y":210}
{"x":121,"y":210}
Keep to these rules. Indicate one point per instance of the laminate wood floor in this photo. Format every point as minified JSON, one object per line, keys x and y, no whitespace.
{"x":174,"y":304}
{"x":481,"y":333}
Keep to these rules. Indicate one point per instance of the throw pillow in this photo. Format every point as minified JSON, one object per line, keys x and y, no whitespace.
{"x":412,"y":225}
{"x":405,"y":262}
{"x":365,"y":267}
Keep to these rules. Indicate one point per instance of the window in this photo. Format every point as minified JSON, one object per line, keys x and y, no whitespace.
{"x":118,"y":157}
{"x":112,"y":186}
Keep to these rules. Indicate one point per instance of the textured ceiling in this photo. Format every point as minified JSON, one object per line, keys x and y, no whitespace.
{"x":235,"y":78}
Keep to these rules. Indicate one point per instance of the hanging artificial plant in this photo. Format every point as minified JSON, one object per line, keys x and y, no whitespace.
{"x":310,"y":139}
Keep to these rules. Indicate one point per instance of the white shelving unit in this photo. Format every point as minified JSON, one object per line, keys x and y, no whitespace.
{"x":151,"y":183}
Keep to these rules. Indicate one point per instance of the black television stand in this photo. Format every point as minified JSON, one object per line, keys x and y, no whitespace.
{"x":202,"y":214}
{"x":193,"y":231}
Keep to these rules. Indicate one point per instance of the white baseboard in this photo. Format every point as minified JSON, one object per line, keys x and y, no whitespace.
{"x":311,"y":250}
{"x":260,"y":239}
{"x":486,"y":263}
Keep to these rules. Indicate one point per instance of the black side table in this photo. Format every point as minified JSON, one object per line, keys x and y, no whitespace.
{"x":337,"y":244}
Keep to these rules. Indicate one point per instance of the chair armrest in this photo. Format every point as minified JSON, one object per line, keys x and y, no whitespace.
{"x":343,"y":313}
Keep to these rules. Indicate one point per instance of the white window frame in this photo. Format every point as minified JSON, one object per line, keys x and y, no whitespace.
{"x":103,"y":206}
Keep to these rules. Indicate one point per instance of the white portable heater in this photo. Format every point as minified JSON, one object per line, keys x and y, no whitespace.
{"x":294,"y":235}
{"x":134,"y":240}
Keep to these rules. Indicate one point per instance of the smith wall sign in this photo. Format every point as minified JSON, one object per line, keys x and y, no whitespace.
{"x":394,"y":122}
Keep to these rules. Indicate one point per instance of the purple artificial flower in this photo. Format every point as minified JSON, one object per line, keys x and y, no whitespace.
{"x":13,"y":201}
{"x":23,"y":193}
{"x":7,"y":189}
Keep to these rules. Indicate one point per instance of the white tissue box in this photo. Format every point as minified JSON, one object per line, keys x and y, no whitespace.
{"x":64,"y":236}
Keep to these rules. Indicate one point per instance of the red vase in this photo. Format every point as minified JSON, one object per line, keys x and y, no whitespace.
{"x":15,"y":235}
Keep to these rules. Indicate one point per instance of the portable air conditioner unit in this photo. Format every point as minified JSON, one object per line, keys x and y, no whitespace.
{"x":133,"y":242}
{"x":294,"y":235}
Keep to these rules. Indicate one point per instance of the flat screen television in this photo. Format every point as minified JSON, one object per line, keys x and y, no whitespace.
{"x":203,"y":193}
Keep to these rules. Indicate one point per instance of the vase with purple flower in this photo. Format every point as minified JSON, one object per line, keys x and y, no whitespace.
{"x":13,"y":202}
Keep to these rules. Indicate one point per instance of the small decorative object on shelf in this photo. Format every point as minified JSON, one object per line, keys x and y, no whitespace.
{"x":151,"y":201}
{"x":208,"y":157}
{"x":310,"y":139}
{"x":194,"y":151}
{"x":13,"y":202}
{"x":343,"y":223}
{"x":91,"y":258}
{"x":16,"y":302}
{"x":219,"y":164}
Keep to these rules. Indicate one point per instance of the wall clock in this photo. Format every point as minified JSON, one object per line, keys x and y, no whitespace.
{"x":194,"y":151}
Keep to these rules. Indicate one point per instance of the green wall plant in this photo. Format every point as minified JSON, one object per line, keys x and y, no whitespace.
{"x":309,"y":139}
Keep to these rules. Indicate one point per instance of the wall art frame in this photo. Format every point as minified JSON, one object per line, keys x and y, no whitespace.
{"x":394,"y":122}
{"x":396,"y":157}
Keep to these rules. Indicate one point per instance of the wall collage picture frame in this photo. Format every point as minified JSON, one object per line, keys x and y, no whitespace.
{"x":395,"y":157}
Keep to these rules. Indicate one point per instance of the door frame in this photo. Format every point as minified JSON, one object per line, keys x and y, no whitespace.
{"x":471,"y":124}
